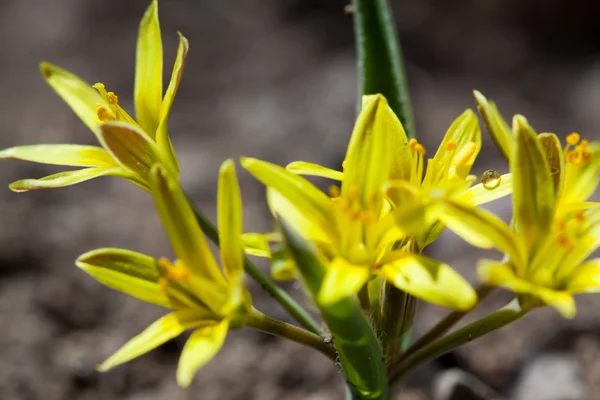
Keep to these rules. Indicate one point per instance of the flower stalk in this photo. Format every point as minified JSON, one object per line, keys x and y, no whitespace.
{"x":272,"y":326}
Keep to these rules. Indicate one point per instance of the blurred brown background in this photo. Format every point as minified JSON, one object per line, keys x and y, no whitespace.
{"x":273,"y":79}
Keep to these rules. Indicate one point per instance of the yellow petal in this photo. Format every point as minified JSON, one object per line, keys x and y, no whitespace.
{"x":77,"y":93}
{"x":585,"y":279}
{"x":132,"y":149}
{"x":342,"y":280}
{"x":282,"y":206}
{"x":256,"y":244}
{"x":479,"y":194}
{"x":201,"y":347}
{"x":314,"y":205}
{"x":161,"y":331}
{"x":311,"y":169}
{"x":368,"y":158}
{"x":465,"y":132}
{"x":495,"y":273}
{"x":148,"y":71}
{"x":162,"y":137}
{"x":430,"y":280}
{"x":129,"y":272}
{"x":186,"y":237}
{"x":556,"y":161}
{"x":497,"y":126}
{"x":230,"y":223}
{"x":533,"y":190}
{"x":482,"y":229}
{"x":66,"y":178}
{"x":61,"y":154}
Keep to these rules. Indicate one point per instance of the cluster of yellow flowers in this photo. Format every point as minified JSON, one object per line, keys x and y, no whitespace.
{"x":390,"y":204}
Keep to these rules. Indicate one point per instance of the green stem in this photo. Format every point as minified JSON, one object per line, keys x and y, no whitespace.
{"x":280,"y":295}
{"x":445,"y":324}
{"x":380,"y":63}
{"x":397,"y":319}
{"x":264,"y":323}
{"x":496,"y":320}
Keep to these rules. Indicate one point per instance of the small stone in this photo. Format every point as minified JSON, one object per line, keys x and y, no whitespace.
{"x":456,"y":384}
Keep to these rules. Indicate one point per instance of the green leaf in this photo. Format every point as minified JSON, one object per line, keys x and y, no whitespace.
{"x":380,"y":64}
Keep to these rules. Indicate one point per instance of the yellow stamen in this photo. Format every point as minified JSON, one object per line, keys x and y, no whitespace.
{"x":334,"y":191}
{"x":464,"y":155}
{"x":112,"y":98}
{"x":354,"y":192}
{"x":420,"y":149}
{"x":573,"y":138}
{"x":178,"y":274}
{"x":164,"y":264}
{"x":103,"y":113}
{"x":164,"y":284}
{"x":451,"y":145}
{"x":412,"y":143}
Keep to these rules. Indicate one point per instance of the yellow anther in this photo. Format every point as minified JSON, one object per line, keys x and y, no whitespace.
{"x":354,"y":192}
{"x":99,"y":86}
{"x":412,"y":143}
{"x":573,"y":138}
{"x":334,"y":191}
{"x":579,"y":215}
{"x":112,"y":98}
{"x":565,"y":241}
{"x":464,"y":155}
{"x":586,"y":155}
{"x":178,"y":274}
{"x":164,"y":264}
{"x":451,"y":145}
{"x":420,"y":149}
{"x":584,"y":143}
{"x":366,"y":217}
{"x":103,"y":113}
{"x":575,"y":157}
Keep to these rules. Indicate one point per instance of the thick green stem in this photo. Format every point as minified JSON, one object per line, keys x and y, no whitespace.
{"x":445,"y":324}
{"x":380,"y":62}
{"x":264,"y":323}
{"x":280,"y":295}
{"x":397,"y":319}
{"x":496,"y":320}
{"x":359,"y":351}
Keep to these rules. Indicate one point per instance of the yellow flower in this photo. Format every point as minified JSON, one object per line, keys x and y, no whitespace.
{"x":574,"y":166}
{"x":554,"y":230}
{"x":201,"y":296}
{"x":413,"y":184}
{"x":129,"y":148}
{"x":355,"y":229}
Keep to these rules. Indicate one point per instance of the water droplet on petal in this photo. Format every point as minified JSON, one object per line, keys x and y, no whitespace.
{"x":491,"y":179}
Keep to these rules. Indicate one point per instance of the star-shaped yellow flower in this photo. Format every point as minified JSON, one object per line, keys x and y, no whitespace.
{"x":129,"y":147}
{"x":355,"y":229}
{"x":554,"y":230}
{"x":201,"y":296}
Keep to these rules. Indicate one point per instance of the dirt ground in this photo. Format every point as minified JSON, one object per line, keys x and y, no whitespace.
{"x":274,"y":79}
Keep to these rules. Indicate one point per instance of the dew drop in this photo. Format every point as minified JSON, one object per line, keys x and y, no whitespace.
{"x":491,"y":179}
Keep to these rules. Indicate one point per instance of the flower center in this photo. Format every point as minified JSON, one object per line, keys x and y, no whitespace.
{"x":173,"y":273}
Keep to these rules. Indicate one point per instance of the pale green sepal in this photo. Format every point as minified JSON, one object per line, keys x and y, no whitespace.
{"x":311,"y":169}
{"x":368,"y":158}
{"x":204,"y":343}
{"x":314,"y":205}
{"x":585,"y":279}
{"x":66,"y":178}
{"x":186,"y":237}
{"x":556,"y":161}
{"x":127,"y":271}
{"x":497,"y":126}
{"x":148,"y":71}
{"x":161,"y":331}
{"x":256,"y":244}
{"x":72,"y":155}
{"x":342,"y":280}
{"x":230,"y":223}
{"x":162,"y":136}
{"x":482,"y":229}
{"x":77,"y":93}
{"x":479,"y":194}
{"x":431,"y":281}
{"x":131,"y":147}
{"x":533,"y":190}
